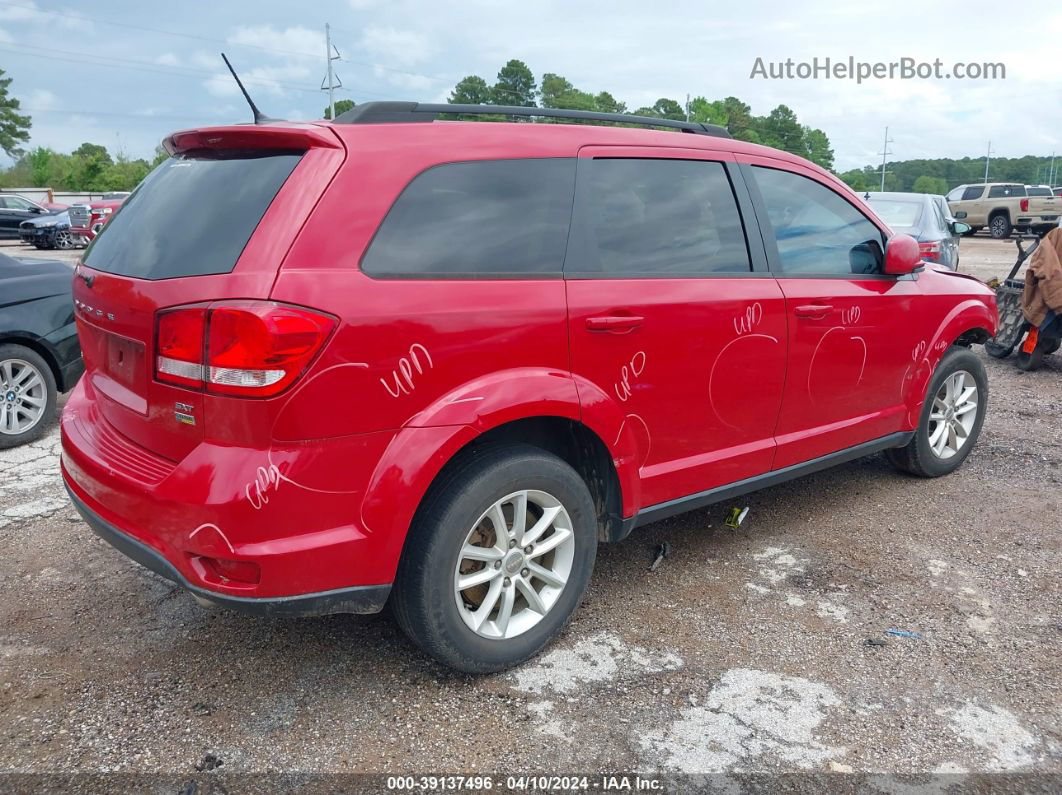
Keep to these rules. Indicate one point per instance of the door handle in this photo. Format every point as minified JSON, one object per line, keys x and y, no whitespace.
{"x":813,"y":311}
{"x":615,"y":324}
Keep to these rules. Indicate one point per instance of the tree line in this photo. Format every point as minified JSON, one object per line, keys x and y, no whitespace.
{"x":515,"y":84}
{"x":943,"y":174}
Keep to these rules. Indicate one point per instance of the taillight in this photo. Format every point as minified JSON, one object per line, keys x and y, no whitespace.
{"x":251,"y":348}
{"x":1024,"y":204}
{"x":929,"y":250}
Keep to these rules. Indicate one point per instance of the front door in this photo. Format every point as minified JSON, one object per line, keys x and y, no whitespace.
{"x":671,"y":318}
{"x":854,"y":341}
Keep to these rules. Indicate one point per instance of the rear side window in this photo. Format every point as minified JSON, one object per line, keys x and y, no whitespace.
{"x":973,"y":193}
{"x":192,"y":215}
{"x":1006,"y":191}
{"x":482,"y":219}
{"x":1039,"y":192}
{"x":655,"y":218}
{"x":818,"y":232}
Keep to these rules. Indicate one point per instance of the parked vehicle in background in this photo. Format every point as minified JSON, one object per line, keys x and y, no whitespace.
{"x":1038,"y":190}
{"x":39,"y":351}
{"x":1058,"y":191}
{"x":88,"y":219}
{"x":528,"y":339}
{"x":1003,"y":207}
{"x":924,"y":217}
{"x":51,"y":232}
{"x":15,"y":209}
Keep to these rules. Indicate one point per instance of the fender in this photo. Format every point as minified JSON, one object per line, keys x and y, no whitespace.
{"x":965,"y":316}
{"x":434,"y":435}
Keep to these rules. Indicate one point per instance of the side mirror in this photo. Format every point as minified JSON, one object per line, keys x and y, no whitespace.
{"x":36,"y":210}
{"x":959,"y":228}
{"x":902,"y":255}
{"x":960,"y":214}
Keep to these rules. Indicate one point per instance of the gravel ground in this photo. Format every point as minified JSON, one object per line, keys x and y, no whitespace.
{"x":745,"y":651}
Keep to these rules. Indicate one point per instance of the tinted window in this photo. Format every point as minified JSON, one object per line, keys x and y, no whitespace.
{"x":973,"y":193}
{"x":191,"y":216}
{"x":1004,"y":191}
{"x":1038,"y":192}
{"x":490,"y":217}
{"x":818,"y":231}
{"x":656,"y":218}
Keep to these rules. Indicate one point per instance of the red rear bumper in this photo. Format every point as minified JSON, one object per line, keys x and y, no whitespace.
{"x":284,"y":511}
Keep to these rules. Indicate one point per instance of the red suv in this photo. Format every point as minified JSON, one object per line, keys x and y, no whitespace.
{"x":435,"y":363}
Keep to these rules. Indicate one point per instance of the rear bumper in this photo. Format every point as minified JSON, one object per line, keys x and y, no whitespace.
{"x":358,"y":599}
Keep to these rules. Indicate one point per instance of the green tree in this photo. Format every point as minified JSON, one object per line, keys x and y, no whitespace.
{"x":14,"y":127}
{"x":342,"y":106}
{"x":708,"y":112}
{"x":515,"y":85}
{"x":855,"y":179}
{"x":781,"y":130}
{"x":93,"y":150}
{"x":927,"y":184}
{"x":41,"y":161}
{"x":739,"y":119}
{"x":471,"y":90}
{"x":668,"y":109}
{"x":818,"y":147}
{"x":604,"y":102}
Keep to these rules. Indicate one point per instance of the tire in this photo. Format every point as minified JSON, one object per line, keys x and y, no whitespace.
{"x":425,"y":598}
{"x":997,"y":351}
{"x":1000,"y":227}
{"x":18,"y":427}
{"x":971,"y":233}
{"x":918,"y":457}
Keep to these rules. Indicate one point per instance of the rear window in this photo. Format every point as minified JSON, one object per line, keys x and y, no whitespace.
{"x":1005,"y":191}
{"x":1039,"y":192}
{"x":897,"y":213}
{"x":483,"y":219}
{"x":192,"y":215}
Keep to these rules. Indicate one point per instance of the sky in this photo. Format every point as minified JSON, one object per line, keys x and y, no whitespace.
{"x":125,"y":74}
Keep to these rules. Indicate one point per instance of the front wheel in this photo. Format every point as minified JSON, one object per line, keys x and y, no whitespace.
{"x":951,"y":418}
{"x":498,"y":558}
{"x":27,"y":395}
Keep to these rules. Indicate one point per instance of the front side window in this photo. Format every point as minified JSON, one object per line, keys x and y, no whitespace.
{"x":956,"y":194}
{"x":648,"y":218}
{"x":478,"y":219}
{"x":818,"y":232}
{"x":973,"y":193}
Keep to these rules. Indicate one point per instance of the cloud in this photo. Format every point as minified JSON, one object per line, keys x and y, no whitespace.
{"x":168,"y":59}
{"x":362,"y":5}
{"x":41,"y":99}
{"x":5,"y":37}
{"x":29,"y":11}
{"x":300,"y":41}
{"x":395,"y":46}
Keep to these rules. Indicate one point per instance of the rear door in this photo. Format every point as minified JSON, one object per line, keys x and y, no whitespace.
{"x":853,"y":331}
{"x":12,"y":213}
{"x":673,"y":317}
{"x":212,"y":222}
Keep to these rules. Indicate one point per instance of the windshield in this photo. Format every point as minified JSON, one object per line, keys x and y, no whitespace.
{"x":192,"y":215}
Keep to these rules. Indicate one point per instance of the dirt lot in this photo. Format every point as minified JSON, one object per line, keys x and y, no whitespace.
{"x":746,"y":651}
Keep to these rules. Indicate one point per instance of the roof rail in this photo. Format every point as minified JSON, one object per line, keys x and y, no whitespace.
{"x":397,"y":112}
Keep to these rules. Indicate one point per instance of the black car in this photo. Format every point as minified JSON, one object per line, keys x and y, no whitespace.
{"x":39,"y":351}
{"x":50,"y":231}
{"x":14,"y":210}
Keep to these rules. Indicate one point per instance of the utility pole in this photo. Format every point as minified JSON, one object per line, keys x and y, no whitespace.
{"x":687,"y":107}
{"x":331,"y":77}
{"x":885,"y":153}
{"x":988,"y":158}
{"x":1051,"y":179}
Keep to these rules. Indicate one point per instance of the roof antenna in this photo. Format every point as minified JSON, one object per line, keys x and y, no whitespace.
{"x":259,"y":118}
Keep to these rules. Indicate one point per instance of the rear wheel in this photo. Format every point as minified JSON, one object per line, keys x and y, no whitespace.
{"x":951,"y":418}
{"x":497,"y":560}
{"x":27,"y":395}
{"x":1000,"y":227}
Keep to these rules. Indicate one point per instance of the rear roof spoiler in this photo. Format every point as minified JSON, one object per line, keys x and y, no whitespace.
{"x":402,"y":112}
{"x":281,"y":135}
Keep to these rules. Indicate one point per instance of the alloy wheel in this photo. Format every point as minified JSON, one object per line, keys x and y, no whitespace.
{"x":953,"y":414}
{"x":23,"y":396}
{"x":514,"y":564}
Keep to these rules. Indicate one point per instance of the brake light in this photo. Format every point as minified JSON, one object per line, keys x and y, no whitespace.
{"x":252,"y":348}
{"x":929,"y":250}
{"x":1024,"y":204}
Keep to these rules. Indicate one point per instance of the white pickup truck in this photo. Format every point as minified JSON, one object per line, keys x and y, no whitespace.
{"x":1004,"y":207}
